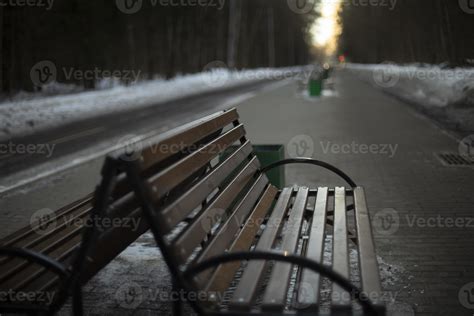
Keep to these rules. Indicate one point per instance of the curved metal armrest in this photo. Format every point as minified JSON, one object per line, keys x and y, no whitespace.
{"x":311,"y":161}
{"x":37,"y":258}
{"x":317,"y":267}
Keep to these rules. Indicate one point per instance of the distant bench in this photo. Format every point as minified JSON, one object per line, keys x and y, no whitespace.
{"x":210,"y":211}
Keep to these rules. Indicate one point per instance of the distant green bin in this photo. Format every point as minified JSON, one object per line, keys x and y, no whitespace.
{"x":315,"y":87}
{"x":268,"y":154}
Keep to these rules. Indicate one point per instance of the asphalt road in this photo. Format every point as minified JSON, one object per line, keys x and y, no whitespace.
{"x":37,"y":157}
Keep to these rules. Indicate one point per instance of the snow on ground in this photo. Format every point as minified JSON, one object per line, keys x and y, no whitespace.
{"x":24,"y":116}
{"x":445,"y":94}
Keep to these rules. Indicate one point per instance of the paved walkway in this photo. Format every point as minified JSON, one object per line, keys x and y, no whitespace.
{"x":427,"y":242}
{"x":422,"y":210}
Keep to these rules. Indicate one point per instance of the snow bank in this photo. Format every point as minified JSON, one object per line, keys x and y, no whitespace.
{"x":444,"y":94}
{"x":427,"y":85}
{"x":24,"y":116}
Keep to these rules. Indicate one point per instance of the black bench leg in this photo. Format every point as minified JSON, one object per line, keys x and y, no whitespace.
{"x":177,"y":304}
{"x":77,"y":308}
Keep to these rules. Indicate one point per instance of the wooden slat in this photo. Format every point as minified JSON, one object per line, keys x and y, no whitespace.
{"x":178,"y":172}
{"x":341,"y":301}
{"x":203,"y":223}
{"x":246,"y":290}
{"x":224,"y":274}
{"x":19,"y":280}
{"x":368,"y":265}
{"x":308,"y":292}
{"x":277,"y":288}
{"x":27,"y":231}
{"x":46,"y":246}
{"x":179,"y":209}
{"x":183,"y":139}
{"x":109,"y":246}
{"x":229,"y":229}
{"x":60,"y":223}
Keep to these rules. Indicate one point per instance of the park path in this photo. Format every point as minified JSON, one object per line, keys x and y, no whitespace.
{"x":427,"y":241}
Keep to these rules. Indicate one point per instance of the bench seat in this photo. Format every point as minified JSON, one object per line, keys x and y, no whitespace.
{"x":294,"y":221}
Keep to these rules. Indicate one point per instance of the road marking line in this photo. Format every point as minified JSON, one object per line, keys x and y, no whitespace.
{"x":78,"y":135}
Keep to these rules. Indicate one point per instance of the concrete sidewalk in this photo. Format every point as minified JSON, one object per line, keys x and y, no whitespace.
{"x":422,"y":210}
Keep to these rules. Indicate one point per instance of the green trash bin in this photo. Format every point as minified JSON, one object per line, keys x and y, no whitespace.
{"x":268,"y":154}
{"x":315,"y":84}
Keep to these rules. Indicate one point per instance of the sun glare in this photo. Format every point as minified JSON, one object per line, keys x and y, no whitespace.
{"x":326,"y":28}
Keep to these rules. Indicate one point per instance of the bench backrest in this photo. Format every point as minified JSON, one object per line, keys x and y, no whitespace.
{"x":201,"y":182}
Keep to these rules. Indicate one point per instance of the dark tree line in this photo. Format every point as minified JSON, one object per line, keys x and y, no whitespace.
{"x":430,"y":31}
{"x":157,"y":40}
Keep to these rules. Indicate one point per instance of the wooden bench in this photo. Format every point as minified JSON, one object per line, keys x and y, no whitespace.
{"x":223,"y":229}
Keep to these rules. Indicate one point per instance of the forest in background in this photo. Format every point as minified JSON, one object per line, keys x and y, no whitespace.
{"x":426,"y":31}
{"x":156,"y":41}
